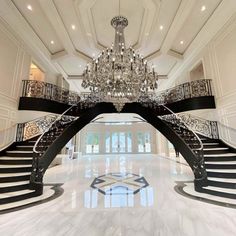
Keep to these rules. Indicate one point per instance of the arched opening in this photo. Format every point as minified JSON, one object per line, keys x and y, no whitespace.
{"x":146,"y":113}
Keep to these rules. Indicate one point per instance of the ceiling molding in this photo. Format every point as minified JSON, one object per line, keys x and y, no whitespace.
{"x":10,"y":14}
{"x":183,"y":12}
{"x":56,"y":20}
{"x":221,"y":16}
{"x":175,"y":54}
{"x":153,"y":55}
{"x":59,"y":55}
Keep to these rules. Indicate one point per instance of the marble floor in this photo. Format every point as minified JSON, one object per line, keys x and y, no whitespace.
{"x":156,"y":209}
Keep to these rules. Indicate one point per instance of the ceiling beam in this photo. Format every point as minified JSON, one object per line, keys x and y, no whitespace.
{"x":153,"y":55}
{"x":175,"y":54}
{"x":183,"y":12}
{"x":21,"y":28}
{"x":54,"y":17}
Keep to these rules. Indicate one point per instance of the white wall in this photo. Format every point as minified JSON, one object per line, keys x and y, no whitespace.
{"x":14,"y":67}
{"x":219,"y":63}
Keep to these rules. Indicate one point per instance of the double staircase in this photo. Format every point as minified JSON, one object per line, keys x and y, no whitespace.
{"x":23,"y":164}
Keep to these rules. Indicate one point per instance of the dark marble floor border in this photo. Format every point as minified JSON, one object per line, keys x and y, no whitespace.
{"x":179,"y":188}
{"x":58,"y":191}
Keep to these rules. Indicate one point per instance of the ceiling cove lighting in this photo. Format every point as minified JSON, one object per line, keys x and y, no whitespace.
{"x":29,"y":7}
{"x":119,"y":75}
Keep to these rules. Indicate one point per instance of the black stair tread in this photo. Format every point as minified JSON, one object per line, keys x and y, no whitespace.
{"x":220,"y":167}
{"x":16,"y":193}
{"x":218,"y":159}
{"x":222,"y":184}
{"x":219,"y":193}
{"x":8,"y":187}
{"x":9,"y":199}
{"x":221,"y":174}
{"x":15,"y":178}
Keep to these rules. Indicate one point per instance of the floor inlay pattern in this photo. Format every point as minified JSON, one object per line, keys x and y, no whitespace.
{"x":56,"y":191}
{"x":119,"y":183}
{"x":186,"y":189}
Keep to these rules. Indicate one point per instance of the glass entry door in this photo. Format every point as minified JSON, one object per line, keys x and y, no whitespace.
{"x":92,"y":143}
{"x":144,"y":142}
{"x":120,"y":142}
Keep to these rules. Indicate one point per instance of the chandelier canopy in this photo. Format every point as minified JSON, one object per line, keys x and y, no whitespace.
{"x":119,"y":75}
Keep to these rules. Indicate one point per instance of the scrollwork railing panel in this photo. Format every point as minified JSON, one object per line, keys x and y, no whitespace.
{"x":198,"y":88}
{"x":33,"y":128}
{"x":205,"y":127}
{"x":40,"y":89}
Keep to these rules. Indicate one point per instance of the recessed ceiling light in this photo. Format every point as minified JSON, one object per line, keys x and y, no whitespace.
{"x":181,"y":42}
{"x":161,"y":27}
{"x":203,"y":8}
{"x":52,"y":42}
{"x":29,"y":7}
{"x":73,"y":27}
{"x":93,"y":54}
{"x":80,"y":66}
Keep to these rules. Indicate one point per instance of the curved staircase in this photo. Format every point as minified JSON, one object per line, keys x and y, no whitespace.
{"x":220,"y":163}
{"x":15,"y":172}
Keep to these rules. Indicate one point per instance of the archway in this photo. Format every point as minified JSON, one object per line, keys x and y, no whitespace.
{"x":146,"y":113}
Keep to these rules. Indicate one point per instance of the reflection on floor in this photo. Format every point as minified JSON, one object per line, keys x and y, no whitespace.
{"x":155,"y":210}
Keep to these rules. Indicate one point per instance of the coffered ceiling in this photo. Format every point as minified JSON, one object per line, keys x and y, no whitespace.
{"x":71,"y":32}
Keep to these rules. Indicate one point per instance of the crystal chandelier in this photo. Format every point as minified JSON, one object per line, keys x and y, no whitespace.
{"x":119,"y":75}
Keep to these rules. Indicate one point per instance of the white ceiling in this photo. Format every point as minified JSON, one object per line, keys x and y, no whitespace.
{"x":51,"y":20}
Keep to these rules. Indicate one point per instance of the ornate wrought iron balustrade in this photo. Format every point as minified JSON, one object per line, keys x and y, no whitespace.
{"x":190,"y":138}
{"x":33,"y":128}
{"x":198,"y":88}
{"x":39,"y":89}
{"x":204,"y":127}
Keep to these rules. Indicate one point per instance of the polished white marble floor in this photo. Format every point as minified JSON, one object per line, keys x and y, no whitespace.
{"x":156,"y":210}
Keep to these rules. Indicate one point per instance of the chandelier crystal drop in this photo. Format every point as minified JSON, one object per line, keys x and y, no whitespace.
{"x":119,"y":75}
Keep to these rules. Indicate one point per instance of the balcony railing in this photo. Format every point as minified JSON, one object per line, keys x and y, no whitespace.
{"x":197,"y":88}
{"x":39,"y":89}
